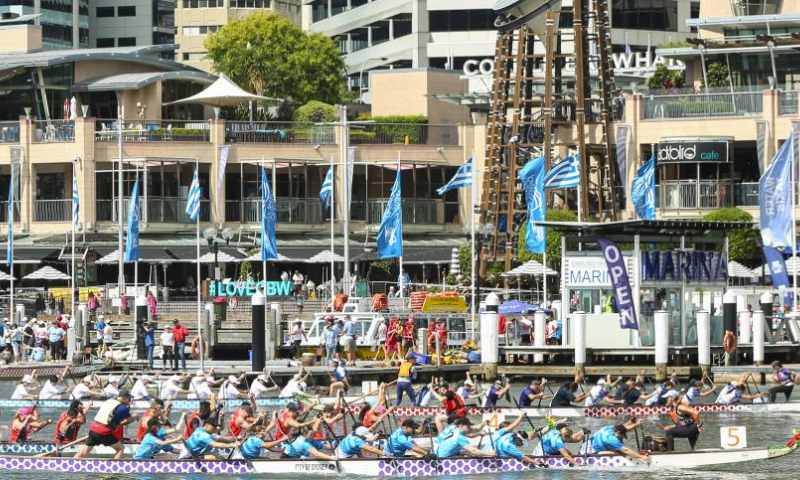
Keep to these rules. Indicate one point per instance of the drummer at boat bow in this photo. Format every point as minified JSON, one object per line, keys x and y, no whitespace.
{"x":106,"y":429}
{"x":686,"y":424}
{"x":608,"y":441}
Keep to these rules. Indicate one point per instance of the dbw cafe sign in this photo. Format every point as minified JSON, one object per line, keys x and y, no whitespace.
{"x":694,"y":152}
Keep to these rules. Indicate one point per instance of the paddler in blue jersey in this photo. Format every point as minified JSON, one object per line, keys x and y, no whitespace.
{"x":510,"y":446}
{"x":554,"y":443}
{"x":503,"y":429}
{"x":534,"y":391}
{"x":354,"y":444}
{"x":608,"y":441}
{"x":456,"y":442}
{"x":203,"y":440}
{"x":304,"y":445}
{"x":401,"y":442}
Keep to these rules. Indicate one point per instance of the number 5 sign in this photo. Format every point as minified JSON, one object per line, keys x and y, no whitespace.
{"x":733,"y":437}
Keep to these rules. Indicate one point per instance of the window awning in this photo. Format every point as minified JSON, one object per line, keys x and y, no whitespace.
{"x":33,"y":255}
{"x":176,"y":255}
{"x":136,"y":81}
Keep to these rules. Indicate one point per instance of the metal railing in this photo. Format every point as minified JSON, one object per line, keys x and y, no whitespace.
{"x":701,"y":105}
{"x":693,"y":195}
{"x":788,"y":104}
{"x":289,"y":210}
{"x":52,"y":210}
{"x":159,"y":210}
{"x":154,"y":130}
{"x":9,"y":132}
{"x":419,"y":211}
{"x":745,"y":194}
{"x":54,"y":131}
{"x":403,"y":134}
{"x":279,"y":132}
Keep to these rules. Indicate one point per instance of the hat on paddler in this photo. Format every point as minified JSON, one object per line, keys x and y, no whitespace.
{"x":621,"y":429}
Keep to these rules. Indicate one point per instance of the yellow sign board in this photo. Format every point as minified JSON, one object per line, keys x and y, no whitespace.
{"x":439,"y":304}
{"x":83,"y":294}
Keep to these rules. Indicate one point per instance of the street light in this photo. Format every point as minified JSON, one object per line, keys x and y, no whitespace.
{"x":210,"y":235}
{"x":361,"y":76}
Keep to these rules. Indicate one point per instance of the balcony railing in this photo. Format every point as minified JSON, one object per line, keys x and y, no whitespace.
{"x":745,"y":194}
{"x":418,"y":212}
{"x":159,"y":210}
{"x":9,"y":132}
{"x":701,"y":105}
{"x":403,"y":134}
{"x":788,"y":104}
{"x":289,"y":210}
{"x":154,"y":130}
{"x":52,"y":210}
{"x":54,"y":131}
{"x":279,"y":132}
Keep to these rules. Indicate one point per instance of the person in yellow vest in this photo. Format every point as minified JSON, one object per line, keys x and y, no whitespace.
{"x":406,"y":375}
{"x":106,"y":429}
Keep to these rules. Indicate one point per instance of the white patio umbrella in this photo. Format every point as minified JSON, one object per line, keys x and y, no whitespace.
{"x":256,"y":257}
{"x":736,"y":269}
{"x":223,"y":93}
{"x":4,"y":277}
{"x":325,"y":257}
{"x":221,"y":257}
{"x":455,"y":262}
{"x":531,"y":267}
{"x":73,"y":108}
{"x":47,"y":273}
{"x":791,"y":265}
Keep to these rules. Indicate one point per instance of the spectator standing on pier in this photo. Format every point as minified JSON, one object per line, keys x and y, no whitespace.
{"x":152,"y":309}
{"x":167,"y":347}
{"x":108,"y":338}
{"x":298,"y":334}
{"x":51,"y":303}
{"x":330,"y":339}
{"x":149,"y":337}
{"x":297,"y":281}
{"x":350,"y":334}
{"x":55,"y":337}
{"x":92,"y":304}
{"x":179,"y":334}
{"x":99,"y":326}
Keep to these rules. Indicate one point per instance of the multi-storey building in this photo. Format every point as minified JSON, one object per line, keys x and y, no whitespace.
{"x":131,"y":23}
{"x":195,"y":19}
{"x":64,"y":23}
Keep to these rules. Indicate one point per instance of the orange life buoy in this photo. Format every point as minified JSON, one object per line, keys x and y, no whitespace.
{"x":729,"y":343}
{"x":195,"y":353}
{"x":338,"y":302}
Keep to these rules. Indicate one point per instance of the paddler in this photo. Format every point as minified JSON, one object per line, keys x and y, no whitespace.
{"x":785,"y":379}
{"x":456,"y":443}
{"x":69,"y":423}
{"x":25,"y":423}
{"x":554,"y":443}
{"x":155,"y":441}
{"x":296,"y":385}
{"x":685,"y":424}
{"x":356,"y":443}
{"x":331,"y":414}
{"x":229,"y":389}
{"x":608,"y":441}
{"x":301,"y":446}
{"x":599,"y":393}
{"x":25,"y":388}
{"x":287,"y":420}
{"x":502,"y":429}
{"x":496,"y":392}
{"x":252,"y":446}
{"x":54,"y":388}
{"x":340,"y":378}
{"x":733,"y":393}
{"x":696,"y":392}
{"x":106,"y":429}
{"x":401,"y":442}
{"x":242,"y":420}
{"x":84,"y":389}
{"x":203,"y":440}
{"x":534,"y":391}
{"x":405,"y":375}
{"x":565,"y":396}
{"x":510,"y":446}
{"x":139,"y":390}
{"x":372,"y":416}
{"x":198,"y":417}
{"x":158,"y":409}
{"x":111,"y":390}
{"x":173,"y":387}
{"x":453,"y":404}
{"x":260,"y":386}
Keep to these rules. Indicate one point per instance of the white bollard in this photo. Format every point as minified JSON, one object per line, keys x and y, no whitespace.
{"x":579,"y":326}
{"x":758,"y":338}
{"x":539,"y":335}
{"x":555,"y":306}
{"x":273,"y":338}
{"x":745,"y":328}
{"x":86,"y":328}
{"x":741,"y":302}
{"x":490,"y":354}
{"x":661,"y":320}
{"x":704,"y":341}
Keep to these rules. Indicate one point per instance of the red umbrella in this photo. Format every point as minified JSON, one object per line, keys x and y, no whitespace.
{"x":66,"y":109}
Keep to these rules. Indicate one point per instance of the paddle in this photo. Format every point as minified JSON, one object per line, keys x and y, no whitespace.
{"x":330,"y":430}
{"x":61,"y":447}
{"x":705,"y":377}
{"x":347,"y":407}
{"x":237,"y":447}
{"x":432,"y":450}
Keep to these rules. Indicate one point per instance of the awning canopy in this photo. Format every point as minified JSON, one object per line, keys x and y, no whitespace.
{"x":33,"y":255}
{"x":136,"y":81}
{"x":736,"y":269}
{"x":256,"y":257}
{"x":223,"y":93}
{"x":47,"y":273}
{"x":221,"y":257}
{"x":176,"y":255}
{"x":529,"y":268}
{"x":325,"y":256}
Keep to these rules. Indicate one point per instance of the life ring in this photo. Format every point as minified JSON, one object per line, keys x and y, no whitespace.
{"x":195,"y":354}
{"x":729,"y":343}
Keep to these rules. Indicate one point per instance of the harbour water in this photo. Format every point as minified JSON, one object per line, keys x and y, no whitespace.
{"x":762,"y":429}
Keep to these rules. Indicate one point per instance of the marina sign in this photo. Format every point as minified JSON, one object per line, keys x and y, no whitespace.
{"x":591,"y":272}
{"x":248,"y":289}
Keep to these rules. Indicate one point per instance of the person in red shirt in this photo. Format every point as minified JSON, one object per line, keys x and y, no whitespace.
{"x":198,"y":417}
{"x":453,"y":405}
{"x":69,"y":423}
{"x":157,"y":410}
{"x":408,"y":335}
{"x":179,"y":334}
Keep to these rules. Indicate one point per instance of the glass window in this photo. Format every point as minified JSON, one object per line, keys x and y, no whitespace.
{"x":127,"y":11}
{"x":126,"y":42}
{"x":104,"y":12}
{"x":660,"y":15}
{"x":105,"y":42}
{"x":461,"y":20}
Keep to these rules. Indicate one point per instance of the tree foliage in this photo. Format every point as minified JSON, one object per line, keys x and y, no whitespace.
{"x":553,"y":245}
{"x":742,"y":244}
{"x":268,"y":55}
{"x":316,"y":111}
{"x":718,"y":74}
{"x":664,"y":78}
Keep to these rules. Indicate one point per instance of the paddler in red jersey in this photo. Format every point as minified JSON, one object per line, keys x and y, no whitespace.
{"x":453,"y":405}
{"x":106,"y":430}
{"x":69,"y":423}
{"x":158,"y":409}
{"x":287,"y":420}
{"x":24,"y":424}
{"x":198,"y":417}
{"x":242,"y":420}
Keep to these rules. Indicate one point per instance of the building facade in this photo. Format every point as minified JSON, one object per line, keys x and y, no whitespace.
{"x":131,"y":23}
{"x":64,"y":23}
{"x":195,"y":19}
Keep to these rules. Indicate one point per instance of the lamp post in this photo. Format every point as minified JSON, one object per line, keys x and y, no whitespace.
{"x":476,"y":232}
{"x":361,"y":76}
{"x":211,"y":235}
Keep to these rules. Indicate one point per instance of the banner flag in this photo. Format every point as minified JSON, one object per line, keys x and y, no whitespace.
{"x":618,"y":272}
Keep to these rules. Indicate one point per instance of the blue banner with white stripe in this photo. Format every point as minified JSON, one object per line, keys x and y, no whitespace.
{"x":462,"y":178}
{"x":564,"y":174}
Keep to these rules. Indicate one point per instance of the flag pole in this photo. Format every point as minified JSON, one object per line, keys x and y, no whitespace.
{"x":401,"y":219}
{"x":793,"y":176}
{"x":74,"y":219}
{"x":136,"y":262}
{"x":333,"y":212}
{"x":473,"y":268}
{"x":199,"y":281}
{"x":11,"y":313}
{"x":263,"y":256}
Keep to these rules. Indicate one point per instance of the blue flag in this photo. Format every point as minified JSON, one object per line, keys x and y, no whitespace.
{"x":10,"y":214}
{"x":132,"y":240}
{"x":777,"y":267}
{"x":564,"y":174}
{"x":326,"y":190}
{"x":269,"y":218}
{"x":643,"y":190}
{"x":532,"y":177}
{"x":462,"y":178}
{"x":76,"y":206}
{"x":390,"y":233}
{"x":193,"y":200}
{"x":775,"y":199}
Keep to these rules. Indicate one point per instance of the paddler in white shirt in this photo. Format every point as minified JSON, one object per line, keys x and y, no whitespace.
{"x":25,"y":388}
{"x":260,"y":386}
{"x":139,"y":390}
{"x":84,"y":389}
{"x":599,"y":393}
